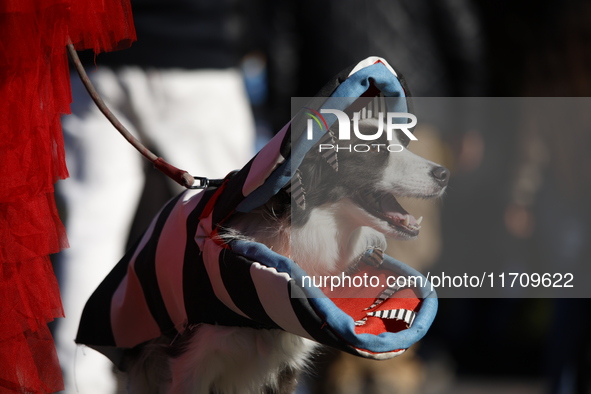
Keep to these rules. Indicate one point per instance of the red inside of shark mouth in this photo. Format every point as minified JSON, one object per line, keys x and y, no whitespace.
{"x":385,"y":206}
{"x":378,"y":307}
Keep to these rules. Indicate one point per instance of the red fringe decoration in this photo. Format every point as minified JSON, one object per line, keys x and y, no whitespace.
{"x":35,"y":92}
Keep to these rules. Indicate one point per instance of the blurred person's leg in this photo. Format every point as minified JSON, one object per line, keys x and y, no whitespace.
{"x":199,"y":120}
{"x":567,"y":250}
{"x":100,"y":197}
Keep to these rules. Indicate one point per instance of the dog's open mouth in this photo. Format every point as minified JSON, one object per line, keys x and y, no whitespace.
{"x":385,"y":206}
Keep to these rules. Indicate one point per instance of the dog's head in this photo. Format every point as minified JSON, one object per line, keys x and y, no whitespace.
{"x":371,"y":176}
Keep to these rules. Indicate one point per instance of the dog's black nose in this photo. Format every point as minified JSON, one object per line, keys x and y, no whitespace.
{"x":441,"y":175}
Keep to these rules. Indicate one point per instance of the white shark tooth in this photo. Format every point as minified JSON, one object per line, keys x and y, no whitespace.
{"x":419,"y":220}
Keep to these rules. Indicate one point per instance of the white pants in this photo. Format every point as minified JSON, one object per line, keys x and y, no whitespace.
{"x":199,"y":121}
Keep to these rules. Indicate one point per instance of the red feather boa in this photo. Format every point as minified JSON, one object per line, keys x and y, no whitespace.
{"x":35,"y":92}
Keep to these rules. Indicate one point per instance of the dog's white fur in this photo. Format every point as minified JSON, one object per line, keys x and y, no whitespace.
{"x":238,"y":360}
{"x":232,"y":359}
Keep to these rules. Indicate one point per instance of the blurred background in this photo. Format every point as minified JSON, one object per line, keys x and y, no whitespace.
{"x":518,"y":197}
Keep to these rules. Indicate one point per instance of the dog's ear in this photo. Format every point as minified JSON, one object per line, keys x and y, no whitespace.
{"x":319,"y":167}
{"x":320,"y":162}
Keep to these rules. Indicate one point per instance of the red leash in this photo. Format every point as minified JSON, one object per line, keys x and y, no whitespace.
{"x":181,"y":177}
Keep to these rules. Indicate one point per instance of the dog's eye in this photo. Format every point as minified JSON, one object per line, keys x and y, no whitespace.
{"x":380,"y":148}
{"x":403,"y":138}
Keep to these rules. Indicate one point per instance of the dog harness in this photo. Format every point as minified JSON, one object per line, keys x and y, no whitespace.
{"x":179,"y":274}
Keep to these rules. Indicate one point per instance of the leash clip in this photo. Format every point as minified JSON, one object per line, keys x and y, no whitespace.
{"x":204,"y":183}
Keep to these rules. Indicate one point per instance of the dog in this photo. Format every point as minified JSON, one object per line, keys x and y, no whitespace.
{"x":346,"y":212}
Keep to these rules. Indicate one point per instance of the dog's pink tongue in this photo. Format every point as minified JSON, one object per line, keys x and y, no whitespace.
{"x":392,"y":208}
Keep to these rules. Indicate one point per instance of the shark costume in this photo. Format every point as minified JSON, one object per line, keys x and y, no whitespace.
{"x":179,"y":274}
